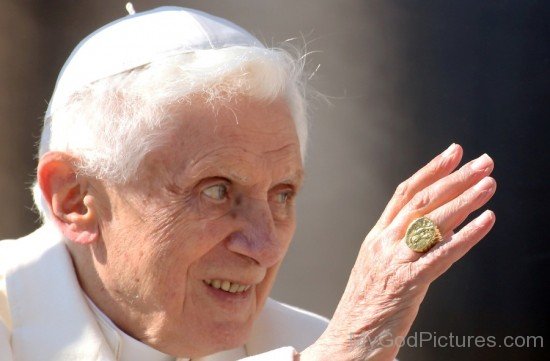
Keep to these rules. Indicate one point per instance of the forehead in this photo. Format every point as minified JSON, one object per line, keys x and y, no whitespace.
{"x":240,"y":134}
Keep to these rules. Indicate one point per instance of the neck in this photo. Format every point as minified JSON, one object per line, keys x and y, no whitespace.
{"x":93,"y":276}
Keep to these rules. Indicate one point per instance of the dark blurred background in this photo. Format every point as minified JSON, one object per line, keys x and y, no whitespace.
{"x":404,"y":79}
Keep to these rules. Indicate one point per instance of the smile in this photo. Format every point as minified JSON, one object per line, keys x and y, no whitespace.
{"x":227,"y":286}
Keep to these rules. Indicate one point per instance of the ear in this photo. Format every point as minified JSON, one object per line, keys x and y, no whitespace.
{"x":71,"y":206}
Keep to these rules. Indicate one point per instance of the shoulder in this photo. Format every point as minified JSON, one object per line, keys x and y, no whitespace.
{"x":291,"y":316}
{"x":29,"y":256}
{"x":5,"y":318}
{"x":282,"y":325}
{"x":17,"y":252}
{"x":10,"y":258}
{"x":16,"y":256}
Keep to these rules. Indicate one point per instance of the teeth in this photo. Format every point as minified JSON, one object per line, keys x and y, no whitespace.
{"x":227,"y":286}
{"x":234,"y":287}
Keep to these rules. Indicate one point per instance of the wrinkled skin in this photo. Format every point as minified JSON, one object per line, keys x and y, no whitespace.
{"x":389,"y":281}
{"x":216,"y":202}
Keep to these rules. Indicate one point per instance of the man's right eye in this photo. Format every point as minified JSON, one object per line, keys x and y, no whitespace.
{"x":217,"y":192}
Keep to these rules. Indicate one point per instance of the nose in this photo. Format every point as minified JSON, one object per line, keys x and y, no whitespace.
{"x":256,"y":237}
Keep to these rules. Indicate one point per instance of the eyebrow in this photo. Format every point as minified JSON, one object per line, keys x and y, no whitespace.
{"x":295,"y":178}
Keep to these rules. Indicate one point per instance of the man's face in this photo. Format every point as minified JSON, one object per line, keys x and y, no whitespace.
{"x":214,"y":208}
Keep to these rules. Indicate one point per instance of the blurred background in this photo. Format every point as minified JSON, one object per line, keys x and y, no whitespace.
{"x":404,"y":79}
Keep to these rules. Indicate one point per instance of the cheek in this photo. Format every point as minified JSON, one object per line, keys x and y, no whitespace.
{"x":194,"y":225}
{"x":264,"y":289}
{"x":150,"y":264}
{"x":210,"y":211}
{"x":285,"y":231}
{"x":214,"y":230}
{"x":188,"y":242}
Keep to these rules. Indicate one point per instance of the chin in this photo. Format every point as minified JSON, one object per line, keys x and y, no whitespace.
{"x":229,"y":336}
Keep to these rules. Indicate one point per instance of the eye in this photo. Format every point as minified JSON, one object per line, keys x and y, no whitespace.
{"x":217,"y":192}
{"x":284,"y":196}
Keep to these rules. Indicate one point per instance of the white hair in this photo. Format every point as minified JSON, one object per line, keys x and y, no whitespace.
{"x":112,"y":124}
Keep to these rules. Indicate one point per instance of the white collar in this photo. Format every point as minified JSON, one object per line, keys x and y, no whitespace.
{"x":127,"y":348}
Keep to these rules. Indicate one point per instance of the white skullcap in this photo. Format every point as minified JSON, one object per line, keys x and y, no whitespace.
{"x":140,"y":38}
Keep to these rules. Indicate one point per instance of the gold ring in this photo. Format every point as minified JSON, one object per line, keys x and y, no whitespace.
{"x":422,"y":234}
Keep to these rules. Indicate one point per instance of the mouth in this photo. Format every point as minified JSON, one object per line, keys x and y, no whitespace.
{"x":227,"y":286}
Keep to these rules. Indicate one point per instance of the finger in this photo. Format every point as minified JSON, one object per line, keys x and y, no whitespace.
{"x":443,"y":191}
{"x":452,"y":214}
{"x":438,"y":260}
{"x":436,"y":169}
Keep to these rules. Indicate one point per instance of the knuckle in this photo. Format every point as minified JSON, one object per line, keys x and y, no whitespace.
{"x":445,"y":162}
{"x":421,"y":200}
{"x":471,"y":231}
{"x":402,"y":189}
{"x":468,"y":172}
{"x":443,"y":252}
{"x":478,"y":198}
{"x":461,"y":203}
{"x":433,"y":172}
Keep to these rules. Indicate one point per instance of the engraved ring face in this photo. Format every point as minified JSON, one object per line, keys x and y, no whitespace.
{"x":422,"y":234}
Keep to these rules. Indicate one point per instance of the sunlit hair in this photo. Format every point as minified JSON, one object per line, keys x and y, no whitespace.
{"x":113,"y":123}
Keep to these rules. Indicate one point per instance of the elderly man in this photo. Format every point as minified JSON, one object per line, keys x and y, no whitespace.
{"x":169,"y":162}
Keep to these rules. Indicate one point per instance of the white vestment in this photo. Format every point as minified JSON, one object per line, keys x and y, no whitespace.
{"x":44,"y":314}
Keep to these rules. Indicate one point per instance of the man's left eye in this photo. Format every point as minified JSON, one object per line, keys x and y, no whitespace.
{"x":283,"y":197}
{"x":217,"y":192}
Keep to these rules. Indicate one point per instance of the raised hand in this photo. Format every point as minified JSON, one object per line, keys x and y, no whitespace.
{"x":389,"y":280}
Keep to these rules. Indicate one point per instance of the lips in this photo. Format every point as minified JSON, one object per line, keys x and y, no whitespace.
{"x":227,"y":286}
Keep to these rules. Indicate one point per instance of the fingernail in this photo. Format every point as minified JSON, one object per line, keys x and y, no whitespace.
{"x":449,"y":151}
{"x":481,"y":162}
{"x":484,"y":184}
{"x":484,"y":217}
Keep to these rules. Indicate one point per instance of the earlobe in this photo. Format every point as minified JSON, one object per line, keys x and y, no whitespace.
{"x":72,"y":208}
